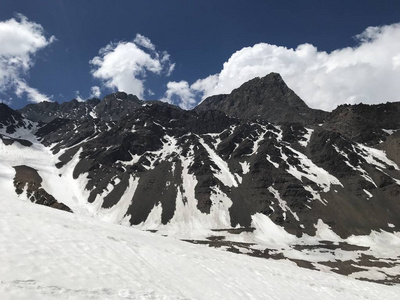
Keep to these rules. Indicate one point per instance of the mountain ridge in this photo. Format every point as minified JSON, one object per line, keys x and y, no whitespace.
{"x":202,"y":175}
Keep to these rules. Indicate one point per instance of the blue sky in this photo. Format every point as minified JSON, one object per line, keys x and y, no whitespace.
{"x":183,"y":51}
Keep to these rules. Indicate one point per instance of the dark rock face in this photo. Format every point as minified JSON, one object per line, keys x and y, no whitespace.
{"x":48,"y":111}
{"x":11,"y":120}
{"x":374,"y":125}
{"x":116,"y":106}
{"x":27,"y":179}
{"x":266,"y":98}
{"x":364,"y":123}
{"x":392,"y":147}
{"x":9,"y":141}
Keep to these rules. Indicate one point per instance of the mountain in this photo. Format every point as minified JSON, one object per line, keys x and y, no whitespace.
{"x":304,"y":187}
{"x":267,"y":98}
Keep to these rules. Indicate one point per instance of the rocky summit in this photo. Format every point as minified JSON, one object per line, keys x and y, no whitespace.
{"x":256,"y":171}
{"x":267,"y":98}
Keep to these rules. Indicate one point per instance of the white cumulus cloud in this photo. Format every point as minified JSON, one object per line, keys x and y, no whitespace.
{"x":368,"y":72}
{"x":143,"y":41}
{"x":124,"y":65}
{"x":20,"y":40}
{"x":32,"y":94}
{"x":95,"y":92}
{"x":78,"y":96}
{"x":179,"y":93}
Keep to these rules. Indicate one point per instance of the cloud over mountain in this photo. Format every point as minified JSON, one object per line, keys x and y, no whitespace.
{"x":179,"y":93}
{"x":125,"y":65}
{"x":20,"y":40}
{"x":365,"y":73}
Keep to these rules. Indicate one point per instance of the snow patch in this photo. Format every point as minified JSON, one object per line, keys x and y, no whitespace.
{"x":245,"y":167}
{"x":389,"y":131}
{"x":270,"y":233}
{"x":276,"y":165}
{"x":311,"y":171}
{"x":224,"y":174}
{"x":376,"y":157}
{"x":368,"y":193}
{"x":307,"y":137}
{"x":93,"y":114}
{"x":282,"y":203}
{"x":260,"y":138}
{"x":153,"y":220}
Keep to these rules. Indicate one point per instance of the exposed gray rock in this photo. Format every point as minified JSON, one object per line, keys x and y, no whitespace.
{"x":364,"y":123}
{"x":116,"y":106}
{"x":48,"y":111}
{"x":267,"y":98}
{"x":11,"y":120}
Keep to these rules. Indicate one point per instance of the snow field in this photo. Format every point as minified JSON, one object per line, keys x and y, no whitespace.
{"x":50,"y":254}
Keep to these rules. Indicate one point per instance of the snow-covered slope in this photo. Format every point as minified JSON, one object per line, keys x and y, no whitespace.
{"x":50,"y":254}
{"x":22,"y":148}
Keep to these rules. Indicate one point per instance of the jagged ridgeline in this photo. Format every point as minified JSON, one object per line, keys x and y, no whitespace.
{"x":259,"y":154}
{"x":260,"y":149}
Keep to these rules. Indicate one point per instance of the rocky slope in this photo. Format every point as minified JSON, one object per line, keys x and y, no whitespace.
{"x":375,"y":125}
{"x":364,"y":123}
{"x":11,"y":120}
{"x":48,"y":111}
{"x":222,"y":174}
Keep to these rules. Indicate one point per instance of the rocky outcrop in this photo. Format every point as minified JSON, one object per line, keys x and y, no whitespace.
{"x":27,"y":180}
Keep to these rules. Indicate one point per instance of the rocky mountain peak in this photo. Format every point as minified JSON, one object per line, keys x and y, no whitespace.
{"x":272,"y":84}
{"x":116,"y":105}
{"x":121,"y":97}
{"x":267,"y":98}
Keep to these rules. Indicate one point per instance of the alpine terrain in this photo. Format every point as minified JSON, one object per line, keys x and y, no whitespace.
{"x":256,"y":172}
